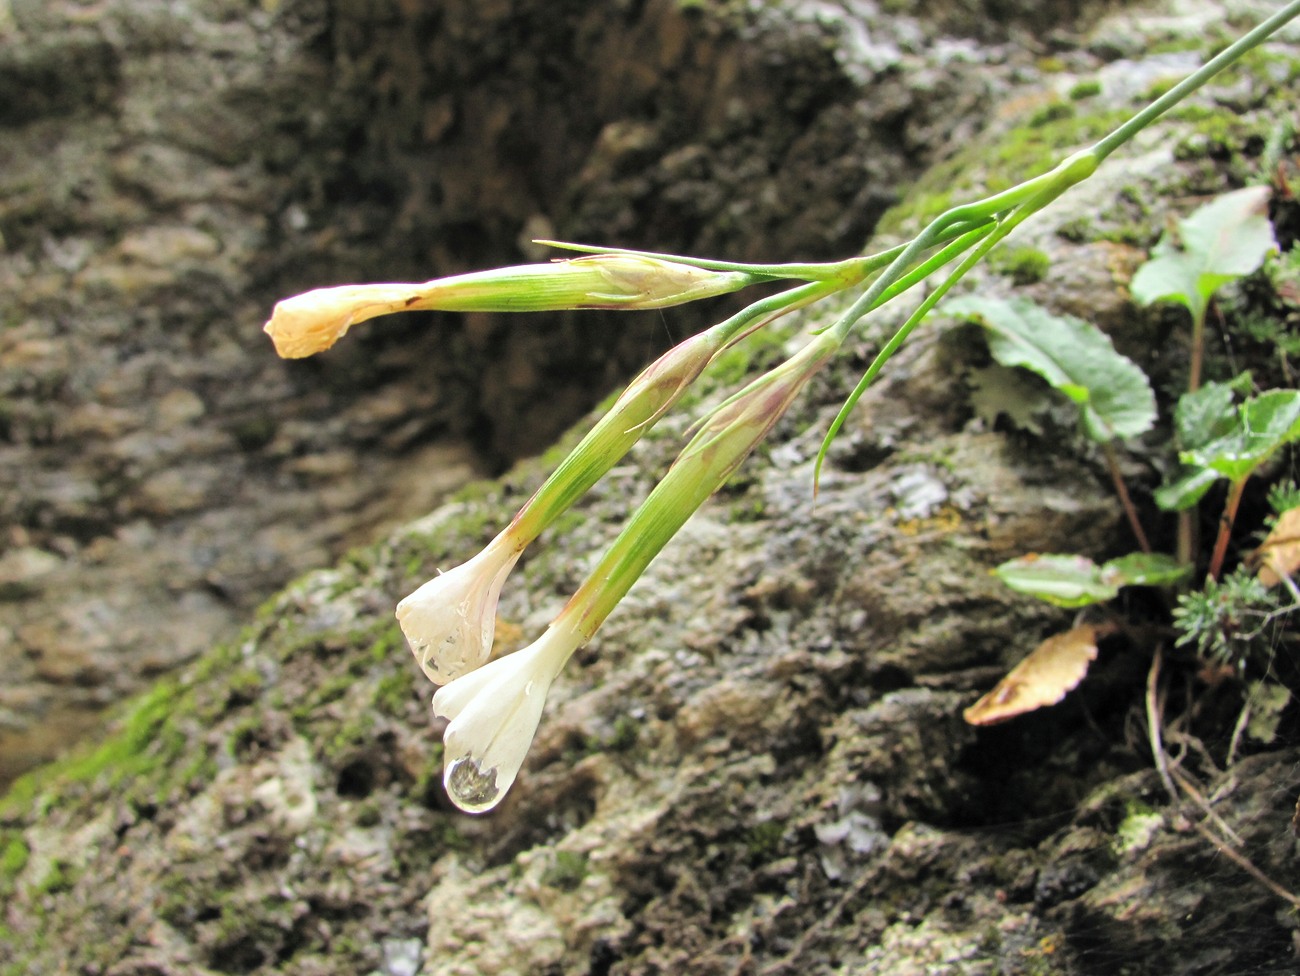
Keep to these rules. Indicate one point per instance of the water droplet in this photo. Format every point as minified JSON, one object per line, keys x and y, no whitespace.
{"x":470,"y":788}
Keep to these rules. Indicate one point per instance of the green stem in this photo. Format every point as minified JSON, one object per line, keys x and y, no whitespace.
{"x":984,"y":240}
{"x":848,"y":272}
{"x":1196,"y":79}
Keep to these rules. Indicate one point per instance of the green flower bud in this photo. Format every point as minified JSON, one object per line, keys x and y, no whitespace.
{"x":313,"y":321}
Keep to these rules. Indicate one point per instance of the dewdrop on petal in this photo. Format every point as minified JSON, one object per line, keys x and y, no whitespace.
{"x":450,"y":620}
{"x":493,"y":715}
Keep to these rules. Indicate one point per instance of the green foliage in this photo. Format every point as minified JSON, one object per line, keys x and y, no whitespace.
{"x":1074,"y":356}
{"x":1264,"y":424}
{"x":1201,"y":417}
{"x":1220,"y":620}
{"x":1283,"y":497}
{"x":1224,"y":240}
{"x":1076,"y":581}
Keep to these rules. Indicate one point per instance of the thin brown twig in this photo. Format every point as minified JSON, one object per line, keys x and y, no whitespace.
{"x":1153,"y":726}
{"x":1121,"y":489}
{"x":1188,"y":787}
{"x":1154,"y":721}
{"x":1246,"y":864}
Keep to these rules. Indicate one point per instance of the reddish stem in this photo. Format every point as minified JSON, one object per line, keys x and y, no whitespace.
{"x":1225,"y":527}
{"x":1121,"y":489}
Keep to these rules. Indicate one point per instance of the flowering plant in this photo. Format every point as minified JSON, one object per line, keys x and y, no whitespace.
{"x":494,"y":706}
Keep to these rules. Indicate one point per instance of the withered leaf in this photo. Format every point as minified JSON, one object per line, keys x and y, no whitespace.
{"x":1279,"y":554}
{"x":1051,"y":670}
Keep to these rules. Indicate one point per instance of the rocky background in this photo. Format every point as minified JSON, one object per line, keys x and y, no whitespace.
{"x":167,"y":173}
{"x":759,"y":766}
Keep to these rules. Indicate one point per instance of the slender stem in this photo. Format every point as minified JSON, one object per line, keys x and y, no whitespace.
{"x":1121,"y":489}
{"x":1225,"y":527}
{"x":983,"y":239}
{"x":1196,"y":79}
{"x":848,"y":272}
{"x":1198,"y":350}
{"x":1154,"y":711}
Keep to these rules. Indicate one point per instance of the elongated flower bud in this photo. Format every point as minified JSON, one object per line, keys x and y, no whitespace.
{"x":313,"y":321}
{"x":723,"y":442}
{"x":494,"y":711}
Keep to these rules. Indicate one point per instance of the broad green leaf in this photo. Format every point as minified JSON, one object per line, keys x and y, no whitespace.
{"x":1224,"y":240}
{"x":1074,"y":356}
{"x":1264,"y":424}
{"x":1145,"y":569}
{"x":1067,"y":581}
{"x":1187,"y":489}
{"x":1204,"y":415}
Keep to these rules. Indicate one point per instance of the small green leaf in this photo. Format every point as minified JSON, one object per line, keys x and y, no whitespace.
{"x":1186,"y":490}
{"x":1204,"y":415}
{"x":1074,"y":356}
{"x":1145,"y":569}
{"x":1067,"y":581}
{"x":1226,"y":239}
{"x":1076,"y":581}
{"x":1264,"y":424}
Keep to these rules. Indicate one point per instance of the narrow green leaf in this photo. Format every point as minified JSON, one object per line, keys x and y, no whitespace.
{"x":1067,"y":581}
{"x":1074,"y":356}
{"x":1226,"y":239}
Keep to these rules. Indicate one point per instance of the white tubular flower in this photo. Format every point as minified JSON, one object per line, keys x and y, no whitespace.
{"x":494,"y":713}
{"x":450,"y":620}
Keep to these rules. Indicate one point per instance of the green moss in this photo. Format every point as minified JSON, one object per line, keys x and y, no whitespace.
{"x":390,"y":642}
{"x":1139,"y":825}
{"x":1051,"y":112}
{"x":243,"y":687}
{"x":1035,"y":147}
{"x":567,"y":872}
{"x":58,"y":878}
{"x":1023,"y":265}
{"x":358,"y":731}
{"x":394,"y":694}
{"x":1085,"y":89}
{"x":13,"y":858}
{"x":763,"y":840}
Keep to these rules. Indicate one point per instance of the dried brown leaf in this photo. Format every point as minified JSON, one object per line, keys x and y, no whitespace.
{"x":1279,"y":554}
{"x":1050,"y":672}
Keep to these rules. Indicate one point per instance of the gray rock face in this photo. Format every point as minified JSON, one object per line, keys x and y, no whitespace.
{"x":167,"y":173}
{"x":759,"y":764}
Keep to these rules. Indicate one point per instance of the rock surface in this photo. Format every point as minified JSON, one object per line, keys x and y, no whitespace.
{"x":168,"y":171}
{"x":759,"y":765}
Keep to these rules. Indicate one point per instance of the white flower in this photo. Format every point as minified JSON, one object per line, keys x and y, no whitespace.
{"x":494,"y":713}
{"x":450,"y":620}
